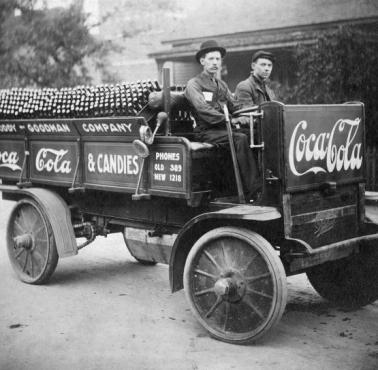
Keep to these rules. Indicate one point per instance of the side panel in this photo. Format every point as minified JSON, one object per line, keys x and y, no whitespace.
{"x":166,"y":170}
{"x":12,"y":154}
{"x":110,"y":126}
{"x":323,"y":144}
{"x":320,"y":220}
{"x":168,"y":167}
{"x":12,"y":149}
{"x":54,"y":151}
{"x":324,"y":165}
{"x":111,"y":163}
{"x":98,"y":153}
{"x":273,"y":164}
{"x":53,"y":161}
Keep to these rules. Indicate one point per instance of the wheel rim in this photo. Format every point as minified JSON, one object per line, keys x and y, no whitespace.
{"x":29,"y":245}
{"x":233,"y":289}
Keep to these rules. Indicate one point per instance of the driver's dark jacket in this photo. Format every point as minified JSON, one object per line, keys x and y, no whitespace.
{"x":253,"y":91}
{"x":208,"y":96}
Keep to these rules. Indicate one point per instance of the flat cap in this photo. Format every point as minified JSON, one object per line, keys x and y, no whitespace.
{"x":263,"y":54}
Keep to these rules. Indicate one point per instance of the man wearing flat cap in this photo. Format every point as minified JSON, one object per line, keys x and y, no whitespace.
{"x":208,"y":94}
{"x":253,"y":90}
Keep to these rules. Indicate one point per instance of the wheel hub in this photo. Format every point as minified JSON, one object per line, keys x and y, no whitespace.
{"x":230,"y":287}
{"x":24,"y":241}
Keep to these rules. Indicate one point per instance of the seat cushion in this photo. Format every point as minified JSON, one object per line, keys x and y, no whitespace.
{"x":200,"y":150}
{"x":197,"y":146}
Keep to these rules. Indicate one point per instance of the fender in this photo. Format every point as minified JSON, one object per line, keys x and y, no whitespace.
{"x":58,"y":214}
{"x":199,"y":225}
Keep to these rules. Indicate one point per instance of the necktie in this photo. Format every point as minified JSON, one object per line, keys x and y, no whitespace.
{"x":267,"y":97}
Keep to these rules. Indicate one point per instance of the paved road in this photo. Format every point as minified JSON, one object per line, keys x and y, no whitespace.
{"x":102,"y":310}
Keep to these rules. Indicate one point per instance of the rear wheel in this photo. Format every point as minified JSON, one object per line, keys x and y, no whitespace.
{"x":142,"y":261}
{"x":31,"y":243}
{"x":145,"y":262}
{"x":235,"y":284}
{"x":351,"y":282}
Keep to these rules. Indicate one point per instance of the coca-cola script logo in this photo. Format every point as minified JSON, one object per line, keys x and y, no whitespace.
{"x":310,"y":147}
{"x":10,"y":160}
{"x":52,"y":160}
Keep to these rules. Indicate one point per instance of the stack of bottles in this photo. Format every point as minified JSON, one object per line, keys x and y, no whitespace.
{"x":126,"y":99}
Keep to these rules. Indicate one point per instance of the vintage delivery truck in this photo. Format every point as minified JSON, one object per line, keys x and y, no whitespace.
{"x":177,"y":201}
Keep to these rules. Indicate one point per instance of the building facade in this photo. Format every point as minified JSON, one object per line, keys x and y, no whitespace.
{"x":246,"y":26}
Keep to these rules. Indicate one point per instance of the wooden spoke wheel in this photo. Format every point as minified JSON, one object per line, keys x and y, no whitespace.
{"x":350,"y":282}
{"x":235,"y":284}
{"x":30,"y":242}
{"x":140,"y":260}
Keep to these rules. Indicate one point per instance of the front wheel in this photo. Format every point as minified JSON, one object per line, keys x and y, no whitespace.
{"x":31,"y":243}
{"x":235,"y":284}
{"x":350,"y":282}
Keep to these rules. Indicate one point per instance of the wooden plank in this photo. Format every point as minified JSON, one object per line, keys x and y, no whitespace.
{"x":316,"y":200}
{"x":361,"y":204}
{"x":373,"y":169}
{"x":327,"y":214}
{"x":286,"y":203}
{"x":322,"y":232}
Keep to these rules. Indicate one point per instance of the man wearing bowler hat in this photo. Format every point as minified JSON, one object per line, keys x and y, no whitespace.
{"x":208,"y":94}
{"x":253,"y":90}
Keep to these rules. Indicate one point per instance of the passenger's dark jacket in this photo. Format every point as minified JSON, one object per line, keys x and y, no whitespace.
{"x":207,"y":96}
{"x":251,"y":92}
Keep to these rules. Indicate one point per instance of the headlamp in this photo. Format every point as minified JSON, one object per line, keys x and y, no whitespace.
{"x":146,"y":135}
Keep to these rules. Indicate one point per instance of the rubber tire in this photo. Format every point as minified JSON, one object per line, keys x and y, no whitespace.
{"x":50,"y":261}
{"x":276,"y":268}
{"x":350,"y":282}
{"x":145,"y":262}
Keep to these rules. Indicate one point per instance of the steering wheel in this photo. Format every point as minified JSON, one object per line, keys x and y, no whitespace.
{"x":250,"y":109}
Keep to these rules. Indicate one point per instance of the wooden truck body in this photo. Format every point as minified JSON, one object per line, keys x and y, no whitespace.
{"x":177,"y":204}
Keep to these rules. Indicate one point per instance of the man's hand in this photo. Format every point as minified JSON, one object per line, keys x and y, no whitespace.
{"x":240,"y":121}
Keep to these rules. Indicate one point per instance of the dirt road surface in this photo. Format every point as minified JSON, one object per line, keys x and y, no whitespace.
{"x":102,"y":310}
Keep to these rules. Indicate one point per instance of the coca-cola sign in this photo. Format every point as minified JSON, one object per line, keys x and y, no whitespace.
{"x":52,"y":160}
{"x":10,"y":160}
{"x":309,"y":147}
{"x":12,"y":155}
{"x":323,"y":143}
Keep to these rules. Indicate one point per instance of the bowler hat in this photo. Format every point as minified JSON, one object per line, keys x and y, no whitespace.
{"x":263,"y":54}
{"x":207,"y":47}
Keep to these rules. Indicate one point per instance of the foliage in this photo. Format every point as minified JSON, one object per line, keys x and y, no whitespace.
{"x":341,"y":66}
{"x":142,"y":16}
{"x":44,"y":47}
{"x":136,"y":28}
